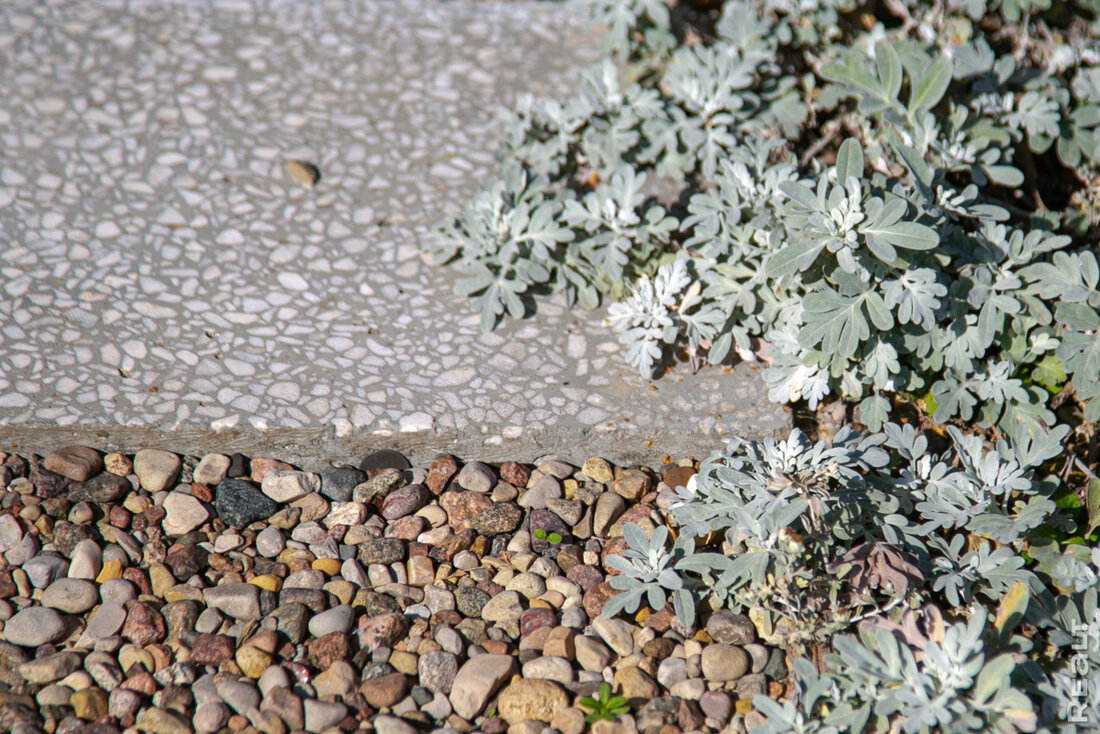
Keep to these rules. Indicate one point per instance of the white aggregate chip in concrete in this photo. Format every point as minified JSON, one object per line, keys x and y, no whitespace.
{"x":160,"y":266}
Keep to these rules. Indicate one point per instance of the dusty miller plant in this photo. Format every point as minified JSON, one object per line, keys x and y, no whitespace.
{"x":932,"y":556}
{"x":864,"y":200}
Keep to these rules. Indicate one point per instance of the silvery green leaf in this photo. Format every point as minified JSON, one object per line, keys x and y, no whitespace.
{"x":683,"y":604}
{"x":928,"y":89}
{"x":1004,"y":175}
{"x":849,"y":160}
{"x":703,"y":563}
{"x":835,"y":323}
{"x":670,"y":580}
{"x":635,"y":537}
{"x":998,"y":385}
{"x":621,"y":564}
{"x":1072,"y":278}
{"x":795,"y":256}
{"x":1037,"y":114}
{"x":953,"y":398}
{"x":885,"y":230}
{"x":916,"y":295}
{"x":628,"y":601}
{"x":874,"y":411}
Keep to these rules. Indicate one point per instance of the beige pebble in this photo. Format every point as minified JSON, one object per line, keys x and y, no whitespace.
{"x":304,"y":172}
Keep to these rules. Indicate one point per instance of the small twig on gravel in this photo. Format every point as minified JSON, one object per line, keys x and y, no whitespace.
{"x":877,"y":611}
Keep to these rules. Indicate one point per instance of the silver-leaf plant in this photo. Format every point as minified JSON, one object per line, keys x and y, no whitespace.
{"x":861,"y":201}
{"x":878,"y":534}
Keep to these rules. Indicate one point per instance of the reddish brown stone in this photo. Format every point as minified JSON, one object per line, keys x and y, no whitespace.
{"x":536,"y":618}
{"x":138,"y":578}
{"x":495,"y":647}
{"x":584,"y":576}
{"x":515,"y":474}
{"x":327,"y":650}
{"x":613,"y":547}
{"x":596,"y":597}
{"x":78,"y":463}
{"x":143,"y":625}
{"x":446,"y":616}
{"x":360,"y":709}
{"x":490,"y":588}
{"x":463,"y":507}
{"x":406,"y":528}
{"x":690,"y":716}
{"x":211,"y":649}
{"x":202,"y":492}
{"x":440,"y":473}
{"x":678,"y":476}
{"x":661,"y":620}
{"x":186,"y":561}
{"x":286,"y":705}
{"x":141,"y":682}
{"x":17,"y":466}
{"x":405,"y":501}
{"x":637,"y":515}
{"x":446,"y":549}
{"x":260,"y":467}
{"x":47,"y":484}
{"x":8,"y":589}
{"x":382,"y":630}
{"x":162,"y":656}
{"x":150,"y":519}
{"x":119,"y":517}
{"x":385,"y":691}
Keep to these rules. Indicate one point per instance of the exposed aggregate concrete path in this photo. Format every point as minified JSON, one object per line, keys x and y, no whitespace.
{"x":172,"y":274}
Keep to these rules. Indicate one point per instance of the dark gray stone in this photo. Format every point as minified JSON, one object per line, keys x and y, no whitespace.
{"x":382,"y":550}
{"x":498,"y":518}
{"x":102,"y":488}
{"x":470,"y":601}
{"x":337,"y":482}
{"x":384,"y":459}
{"x":240,"y":503}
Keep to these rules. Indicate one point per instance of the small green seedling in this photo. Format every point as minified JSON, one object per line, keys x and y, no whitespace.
{"x":606,"y":707}
{"x":552,"y":538}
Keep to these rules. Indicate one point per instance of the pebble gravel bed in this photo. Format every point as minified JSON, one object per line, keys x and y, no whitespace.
{"x":166,"y":594}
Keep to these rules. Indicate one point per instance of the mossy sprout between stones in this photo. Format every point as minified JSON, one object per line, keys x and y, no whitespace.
{"x":963,"y":572}
{"x":895,"y":199}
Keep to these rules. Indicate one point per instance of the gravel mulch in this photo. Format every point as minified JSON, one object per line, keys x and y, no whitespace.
{"x":167,"y":594}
